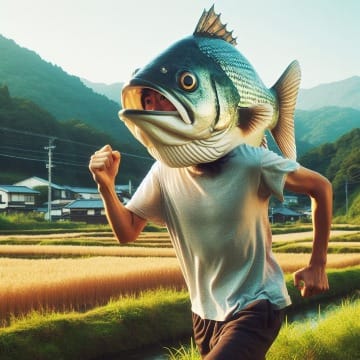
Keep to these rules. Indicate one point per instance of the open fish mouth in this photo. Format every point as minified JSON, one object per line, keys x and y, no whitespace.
{"x":147,"y":101}
{"x":166,"y":121}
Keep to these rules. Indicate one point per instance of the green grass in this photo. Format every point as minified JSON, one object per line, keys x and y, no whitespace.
{"x":334,"y":337}
{"x":126,"y":324}
{"x":342,"y":282}
{"x":34,"y":224}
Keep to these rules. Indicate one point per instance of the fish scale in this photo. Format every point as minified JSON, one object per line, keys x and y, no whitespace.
{"x":240,"y":71}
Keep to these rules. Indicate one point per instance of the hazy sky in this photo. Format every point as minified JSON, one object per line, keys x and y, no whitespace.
{"x":105,"y":40}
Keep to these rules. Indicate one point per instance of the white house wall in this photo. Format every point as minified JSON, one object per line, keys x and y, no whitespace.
{"x":4,"y":199}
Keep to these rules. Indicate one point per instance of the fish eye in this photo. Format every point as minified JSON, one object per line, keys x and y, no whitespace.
{"x":187,"y":81}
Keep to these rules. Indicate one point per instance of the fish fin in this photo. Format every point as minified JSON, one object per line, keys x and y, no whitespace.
{"x":264,"y":142}
{"x":210,"y":25}
{"x":287,"y":88}
{"x":254,"y":118}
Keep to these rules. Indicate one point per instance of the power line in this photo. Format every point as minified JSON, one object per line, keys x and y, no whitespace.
{"x":70,"y":141}
{"x":22,"y":157}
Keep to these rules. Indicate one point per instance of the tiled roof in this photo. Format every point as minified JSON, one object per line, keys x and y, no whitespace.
{"x":18,"y":189}
{"x":82,"y":190}
{"x":86,"y":204}
{"x":285,"y":211}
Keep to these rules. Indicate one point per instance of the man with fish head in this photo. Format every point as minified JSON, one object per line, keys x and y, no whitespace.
{"x":202,"y":112}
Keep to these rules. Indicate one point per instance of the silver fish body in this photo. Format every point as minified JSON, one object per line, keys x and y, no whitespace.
{"x":219,"y":98}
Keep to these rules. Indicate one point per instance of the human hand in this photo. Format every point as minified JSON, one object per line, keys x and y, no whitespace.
{"x":311,"y":280}
{"x":104,"y":166}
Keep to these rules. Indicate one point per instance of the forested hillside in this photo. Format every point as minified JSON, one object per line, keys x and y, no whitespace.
{"x":340,"y":163}
{"x":64,"y":96}
{"x":323,"y":125}
{"x":25,"y":129}
{"x":344,"y":93}
{"x":112,"y":91}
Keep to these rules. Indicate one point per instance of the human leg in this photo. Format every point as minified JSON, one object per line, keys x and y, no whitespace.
{"x":246,"y":336}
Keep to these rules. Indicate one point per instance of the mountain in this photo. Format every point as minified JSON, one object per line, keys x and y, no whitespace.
{"x":345,"y":93}
{"x":63,"y":95}
{"x":324,"y":125}
{"x":339,"y":161}
{"x":69,"y":97}
{"x":112,"y":91}
{"x":25,"y":131}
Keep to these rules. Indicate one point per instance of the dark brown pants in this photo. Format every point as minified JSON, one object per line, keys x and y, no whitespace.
{"x":248,"y":335}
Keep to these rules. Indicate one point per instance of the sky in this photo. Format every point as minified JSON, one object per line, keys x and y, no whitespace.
{"x":104,"y":41}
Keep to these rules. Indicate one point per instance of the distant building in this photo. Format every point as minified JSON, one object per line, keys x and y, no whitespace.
{"x":57,"y":192}
{"x":290,"y":200}
{"x":77,"y":192}
{"x":67,"y":200}
{"x":283,"y":214}
{"x":17,"y":198}
{"x":90,"y":211}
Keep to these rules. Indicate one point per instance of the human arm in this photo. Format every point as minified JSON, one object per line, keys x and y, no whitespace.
{"x":312,"y":279}
{"x":104,"y":166}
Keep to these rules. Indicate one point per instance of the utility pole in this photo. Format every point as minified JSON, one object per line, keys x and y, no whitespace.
{"x":49,"y":166}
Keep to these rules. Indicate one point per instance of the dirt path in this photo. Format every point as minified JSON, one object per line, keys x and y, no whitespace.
{"x":308,"y":235}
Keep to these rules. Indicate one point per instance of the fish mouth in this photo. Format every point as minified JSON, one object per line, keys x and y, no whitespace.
{"x":169,"y":123}
{"x":133,"y":102}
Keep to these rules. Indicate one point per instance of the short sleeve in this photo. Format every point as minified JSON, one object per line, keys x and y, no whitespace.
{"x":274,"y":168}
{"x":146,"y":201}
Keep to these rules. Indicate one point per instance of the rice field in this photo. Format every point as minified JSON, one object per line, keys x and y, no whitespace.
{"x":41,"y":273}
{"x":79,"y":284}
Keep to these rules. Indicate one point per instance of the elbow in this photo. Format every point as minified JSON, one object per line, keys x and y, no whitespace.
{"x":123,"y":241}
{"x":327,"y":187}
{"x":322,"y":191}
{"x":125,"y":238}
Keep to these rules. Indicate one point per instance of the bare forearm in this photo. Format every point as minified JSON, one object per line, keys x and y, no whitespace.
{"x":321,"y":215}
{"x":312,"y":279}
{"x":319,"y":189}
{"x":122,"y":221}
{"x":104,"y":165}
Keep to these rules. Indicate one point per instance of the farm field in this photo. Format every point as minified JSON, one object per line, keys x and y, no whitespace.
{"x":36,"y":274}
{"x":80,"y":271}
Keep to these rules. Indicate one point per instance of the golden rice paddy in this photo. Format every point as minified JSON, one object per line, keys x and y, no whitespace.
{"x":69,"y":277}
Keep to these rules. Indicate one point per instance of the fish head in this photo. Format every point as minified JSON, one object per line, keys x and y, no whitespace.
{"x":200,"y":104}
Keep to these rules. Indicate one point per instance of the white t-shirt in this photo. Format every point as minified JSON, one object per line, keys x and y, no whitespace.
{"x":219,"y":228}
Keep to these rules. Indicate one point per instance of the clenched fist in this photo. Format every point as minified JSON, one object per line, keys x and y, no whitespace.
{"x":104,"y":166}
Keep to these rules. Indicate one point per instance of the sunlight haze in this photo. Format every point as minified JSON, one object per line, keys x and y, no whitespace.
{"x":104,"y":41}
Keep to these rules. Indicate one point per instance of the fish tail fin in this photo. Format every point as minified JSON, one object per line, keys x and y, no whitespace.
{"x":287,"y":88}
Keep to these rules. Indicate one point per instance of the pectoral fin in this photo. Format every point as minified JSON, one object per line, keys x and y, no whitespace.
{"x":254,"y":118}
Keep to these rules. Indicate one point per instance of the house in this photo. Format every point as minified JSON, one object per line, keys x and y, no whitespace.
{"x":57,"y":192}
{"x":90,"y":211}
{"x":77,"y":192}
{"x":17,"y":198}
{"x":290,"y":200}
{"x":65,"y":192}
{"x":283,"y":214}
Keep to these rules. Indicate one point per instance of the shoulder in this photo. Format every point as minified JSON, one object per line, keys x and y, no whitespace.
{"x":258,"y":156}
{"x":247,"y":154}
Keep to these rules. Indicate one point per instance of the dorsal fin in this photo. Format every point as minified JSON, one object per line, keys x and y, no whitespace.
{"x":210,"y":25}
